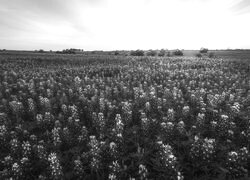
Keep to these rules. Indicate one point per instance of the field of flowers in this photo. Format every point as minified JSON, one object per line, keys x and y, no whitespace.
{"x":113,"y":117}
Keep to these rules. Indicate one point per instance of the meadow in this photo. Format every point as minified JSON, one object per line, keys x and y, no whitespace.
{"x":122,"y":117}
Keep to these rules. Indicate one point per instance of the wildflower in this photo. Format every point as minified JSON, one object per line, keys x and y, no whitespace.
{"x":3,"y":133}
{"x":14,"y":144}
{"x":200,"y":120}
{"x":94,"y":152}
{"x":41,"y":151}
{"x":55,"y":167}
{"x":114,"y":170}
{"x":170,"y":115}
{"x":181,"y":127}
{"x":144,"y":121}
{"x":39,"y":118}
{"x":16,"y":169}
{"x":167,"y":156}
{"x":143,"y":172}
{"x":26,"y":148}
{"x":185,"y":110}
{"x":203,"y":148}
{"x":118,"y":129}
{"x":78,"y":167}
{"x":83,"y":134}
{"x":56,"y":136}
{"x":31,"y":105}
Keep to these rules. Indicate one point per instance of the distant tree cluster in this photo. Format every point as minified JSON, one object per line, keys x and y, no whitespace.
{"x":137,"y":53}
{"x":69,"y":51}
{"x":160,"y":53}
{"x":203,"y":50}
{"x":178,"y":52}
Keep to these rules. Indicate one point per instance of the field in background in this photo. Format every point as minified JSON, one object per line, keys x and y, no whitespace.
{"x":225,"y":54}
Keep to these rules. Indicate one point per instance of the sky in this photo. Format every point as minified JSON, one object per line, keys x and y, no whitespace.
{"x":124,"y":24}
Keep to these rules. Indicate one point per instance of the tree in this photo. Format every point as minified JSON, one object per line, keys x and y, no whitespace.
{"x":137,"y":53}
{"x":162,"y":52}
{"x":203,"y":50}
{"x":151,"y":53}
{"x":178,"y":52}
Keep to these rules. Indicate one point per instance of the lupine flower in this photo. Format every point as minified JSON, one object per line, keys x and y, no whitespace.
{"x":64,"y":108}
{"x":39,"y":118}
{"x":181,"y":127}
{"x":47,"y":117}
{"x":3,"y":133}
{"x":203,"y":148}
{"x":200,"y":120}
{"x":78,"y":167}
{"x":26,"y":149}
{"x":101,"y":123}
{"x":55,"y":167}
{"x":143,"y":172}
{"x":14,"y":144}
{"x":102,"y":104}
{"x":83,"y":135}
{"x":167,"y":156}
{"x":94,"y":152}
{"x":8,"y":160}
{"x":41,"y":151}
{"x":235,"y":108}
{"x":236,"y":163}
{"x":185,"y":110}
{"x":31,"y":105}
{"x":144,"y":121}
{"x":170,"y":115}
{"x":47,"y":104}
{"x":16,"y":106}
{"x":118,"y":129}
{"x":114,"y":170}
{"x":16,"y":169}
{"x":56,"y":136}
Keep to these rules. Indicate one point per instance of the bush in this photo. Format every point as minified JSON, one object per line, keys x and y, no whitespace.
{"x":41,"y":51}
{"x":162,"y":53}
{"x":151,"y":53}
{"x":178,"y":52}
{"x":137,"y":53}
{"x":116,"y":53}
{"x":203,"y":50}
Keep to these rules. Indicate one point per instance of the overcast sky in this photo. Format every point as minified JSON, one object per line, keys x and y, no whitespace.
{"x":124,"y":24}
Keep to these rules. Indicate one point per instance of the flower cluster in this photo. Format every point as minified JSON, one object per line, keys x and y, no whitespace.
{"x":55,"y":167}
{"x":203,"y":149}
{"x":103,"y":117}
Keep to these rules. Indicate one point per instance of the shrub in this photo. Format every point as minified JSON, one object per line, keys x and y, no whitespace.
{"x":178,"y":52}
{"x":203,"y":50}
{"x":162,"y":52}
{"x":151,"y":53}
{"x":137,"y":53}
{"x":41,"y":51}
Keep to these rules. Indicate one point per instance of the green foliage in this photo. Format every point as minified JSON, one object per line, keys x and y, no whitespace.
{"x":151,"y":53}
{"x":162,"y":53}
{"x":203,"y":50}
{"x":177,"y":52}
{"x":137,"y":53}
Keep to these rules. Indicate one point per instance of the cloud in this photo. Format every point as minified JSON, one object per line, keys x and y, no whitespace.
{"x":241,"y":7}
{"x":122,"y":24}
